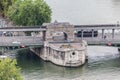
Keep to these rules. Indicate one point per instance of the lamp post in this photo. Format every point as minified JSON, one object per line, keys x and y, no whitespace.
{"x":0,"y":23}
{"x":68,"y":42}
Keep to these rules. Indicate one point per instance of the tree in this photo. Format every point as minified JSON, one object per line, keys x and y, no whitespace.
{"x":29,"y":12}
{"x":4,"y":5}
{"x":9,"y":70}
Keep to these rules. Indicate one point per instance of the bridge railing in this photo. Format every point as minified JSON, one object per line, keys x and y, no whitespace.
{"x":99,"y":40}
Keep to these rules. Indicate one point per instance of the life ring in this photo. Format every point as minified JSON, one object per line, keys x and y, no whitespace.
{"x":109,"y":44}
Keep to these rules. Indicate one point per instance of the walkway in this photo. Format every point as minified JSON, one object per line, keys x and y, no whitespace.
{"x":21,"y":40}
{"x":100,"y":40}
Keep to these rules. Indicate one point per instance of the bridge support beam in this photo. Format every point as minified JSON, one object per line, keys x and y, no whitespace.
{"x":103,"y":33}
{"x":113,"y":33}
{"x":82,"y":34}
{"x":44,"y":35}
{"x":92,"y":33}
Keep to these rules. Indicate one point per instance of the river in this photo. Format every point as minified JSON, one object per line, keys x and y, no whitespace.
{"x":85,"y":11}
{"x":103,"y":62}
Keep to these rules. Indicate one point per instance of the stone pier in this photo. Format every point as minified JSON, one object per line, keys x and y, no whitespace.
{"x":59,"y":46}
{"x":63,"y":54}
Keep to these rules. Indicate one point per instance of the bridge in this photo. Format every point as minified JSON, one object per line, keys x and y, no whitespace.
{"x":97,"y":26}
{"x":36,"y":40}
{"x":109,"y":33}
{"x":58,"y":42}
{"x":17,"y":36}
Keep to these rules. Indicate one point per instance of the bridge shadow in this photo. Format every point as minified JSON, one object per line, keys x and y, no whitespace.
{"x":13,"y":50}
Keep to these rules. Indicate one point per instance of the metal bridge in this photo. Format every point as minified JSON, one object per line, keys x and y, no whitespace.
{"x":97,"y":27}
{"x":39,"y":40}
{"x":24,"y":28}
{"x":18,"y":40}
{"x":111,"y":37}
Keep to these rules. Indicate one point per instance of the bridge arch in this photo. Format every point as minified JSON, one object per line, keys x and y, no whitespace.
{"x":65,"y":36}
{"x":66,"y":29}
{"x":60,"y":35}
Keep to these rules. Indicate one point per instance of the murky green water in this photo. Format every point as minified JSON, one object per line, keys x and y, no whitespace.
{"x":103,"y":64}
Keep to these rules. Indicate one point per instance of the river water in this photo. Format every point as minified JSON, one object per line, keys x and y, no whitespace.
{"x":103,"y":62}
{"x":85,"y":11}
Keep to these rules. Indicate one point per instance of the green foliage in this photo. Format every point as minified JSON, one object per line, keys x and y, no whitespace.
{"x":29,"y":12}
{"x":4,"y":5}
{"x":9,"y":70}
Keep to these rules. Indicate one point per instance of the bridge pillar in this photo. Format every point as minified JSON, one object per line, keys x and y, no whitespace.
{"x":92,"y":33}
{"x":44,"y":35}
{"x":82,"y":34}
{"x":103,"y":33}
{"x":113,"y":33}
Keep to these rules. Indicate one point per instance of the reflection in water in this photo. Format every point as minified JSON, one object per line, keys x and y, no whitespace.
{"x":108,"y":68}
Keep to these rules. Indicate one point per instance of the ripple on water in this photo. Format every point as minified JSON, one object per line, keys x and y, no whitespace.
{"x":34,"y":68}
{"x":98,"y":53}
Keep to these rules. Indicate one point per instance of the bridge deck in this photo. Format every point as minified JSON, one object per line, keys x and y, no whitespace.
{"x":96,"y":27}
{"x":21,"y":40}
{"x":100,"y":40}
{"x":29,"y":40}
{"x":22,"y":29}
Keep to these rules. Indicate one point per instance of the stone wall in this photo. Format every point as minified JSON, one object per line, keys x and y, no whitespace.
{"x":60,"y":27}
{"x":71,"y":57}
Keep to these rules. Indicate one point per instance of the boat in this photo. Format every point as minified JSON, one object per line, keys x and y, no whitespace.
{"x":3,"y":56}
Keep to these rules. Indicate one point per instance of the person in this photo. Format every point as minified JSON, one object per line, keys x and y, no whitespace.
{"x":105,"y":37}
{"x":109,"y":44}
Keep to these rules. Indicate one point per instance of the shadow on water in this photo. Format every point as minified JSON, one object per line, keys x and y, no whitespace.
{"x":33,"y":68}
